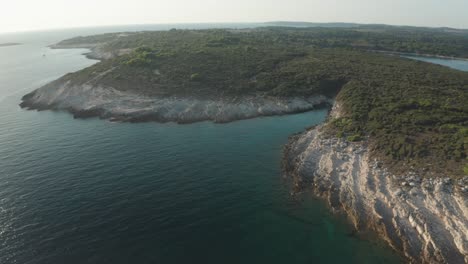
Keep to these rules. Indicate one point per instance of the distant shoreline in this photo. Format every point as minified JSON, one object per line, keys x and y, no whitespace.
{"x":434,"y":56}
{"x":8,"y":44}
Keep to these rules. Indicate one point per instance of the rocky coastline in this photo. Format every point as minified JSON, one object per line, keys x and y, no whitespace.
{"x":85,"y":101}
{"x":425,"y":219}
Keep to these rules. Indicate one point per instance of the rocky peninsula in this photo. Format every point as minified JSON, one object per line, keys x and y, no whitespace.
{"x":85,"y":101}
{"x":392,"y":155}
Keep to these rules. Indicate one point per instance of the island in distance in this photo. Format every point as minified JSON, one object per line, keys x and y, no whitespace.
{"x":9,"y":44}
{"x":393,"y":150}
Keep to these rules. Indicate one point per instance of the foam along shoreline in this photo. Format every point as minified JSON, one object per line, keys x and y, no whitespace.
{"x":424,"y":219}
{"x":85,"y":101}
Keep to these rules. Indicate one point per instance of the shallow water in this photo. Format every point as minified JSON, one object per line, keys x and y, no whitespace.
{"x":91,"y":191}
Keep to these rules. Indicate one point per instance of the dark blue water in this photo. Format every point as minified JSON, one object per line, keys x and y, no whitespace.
{"x":91,"y":191}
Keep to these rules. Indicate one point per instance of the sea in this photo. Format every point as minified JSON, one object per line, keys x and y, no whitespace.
{"x":93,"y":191}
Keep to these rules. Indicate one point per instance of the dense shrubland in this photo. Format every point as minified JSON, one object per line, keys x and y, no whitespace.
{"x":414,"y":113}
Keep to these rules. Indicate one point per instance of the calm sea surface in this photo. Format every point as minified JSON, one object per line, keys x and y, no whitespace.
{"x":91,"y":191}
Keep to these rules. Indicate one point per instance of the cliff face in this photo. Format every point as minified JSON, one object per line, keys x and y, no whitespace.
{"x":108,"y":103}
{"x":425,"y":219}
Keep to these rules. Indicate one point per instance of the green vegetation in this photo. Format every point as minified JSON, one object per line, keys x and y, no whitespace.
{"x":435,"y":41}
{"x":142,"y":57}
{"x":414,"y":113}
{"x":354,"y":137}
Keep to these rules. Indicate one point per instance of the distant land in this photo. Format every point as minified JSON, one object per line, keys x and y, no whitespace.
{"x":9,"y":44}
{"x":393,"y":150}
{"x":300,"y":24}
{"x":312,"y":24}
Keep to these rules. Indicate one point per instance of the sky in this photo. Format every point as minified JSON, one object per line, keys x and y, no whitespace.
{"x":24,"y":15}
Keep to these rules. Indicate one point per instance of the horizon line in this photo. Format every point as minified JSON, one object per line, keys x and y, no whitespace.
{"x":221,"y":23}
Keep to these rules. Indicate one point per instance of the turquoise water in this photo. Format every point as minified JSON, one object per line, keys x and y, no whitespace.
{"x":91,"y":191}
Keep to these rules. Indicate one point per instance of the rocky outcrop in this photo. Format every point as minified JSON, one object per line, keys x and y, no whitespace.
{"x":424,"y":218}
{"x":108,"y":103}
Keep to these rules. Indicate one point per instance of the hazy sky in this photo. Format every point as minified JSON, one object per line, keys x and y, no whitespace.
{"x":18,"y":15}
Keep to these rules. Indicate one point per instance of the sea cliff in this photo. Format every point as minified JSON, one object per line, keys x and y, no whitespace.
{"x":426,"y":219}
